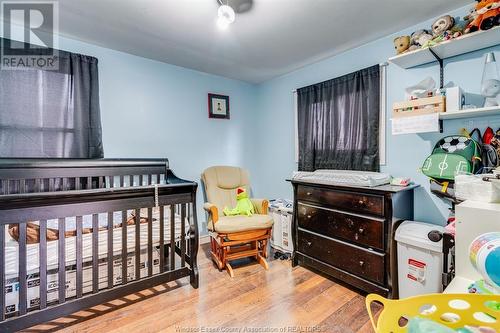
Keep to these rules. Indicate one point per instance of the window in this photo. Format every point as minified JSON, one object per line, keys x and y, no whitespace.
{"x":338,"y":123}
{"x":51,"y":113}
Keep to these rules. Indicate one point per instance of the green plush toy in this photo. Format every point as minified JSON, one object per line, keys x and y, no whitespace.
{"x":243,"y":206}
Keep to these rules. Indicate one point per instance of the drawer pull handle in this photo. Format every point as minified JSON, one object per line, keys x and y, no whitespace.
{"x":350,"y":223}
{"x":309,"y":243}
{"x":308,"y":193}
{"x":309,"y":216}
{"x":361,"y":263}
{"x":361,"y":230}
{"x":362,"y":203}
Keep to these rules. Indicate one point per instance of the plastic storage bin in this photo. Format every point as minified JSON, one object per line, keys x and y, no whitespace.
{"x":282,"y":213}
{"x":420,"y":260}
{"x":452,"y":310}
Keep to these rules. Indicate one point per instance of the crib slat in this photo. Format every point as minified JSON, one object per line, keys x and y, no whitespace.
{"x":101,"y":182}
{"x":65,"y":184}
{"x":37,"y":185}
{"x":2,"y":272}
{"x":51,"y":184}
{"x":62,"y":261}
{"x":78,"y":183}
{"x":110,"y":249}
{"x":162,"y":239}
{"x":137,"y":244}
{"x":89,"y":183}
{"x":43,"y":264}
{"x":111,"y":181}
{"x":124,"y":247}
{"x":79,"y":259}
{"x":22,"y":185}
{"x":95,"y":252}
{"x":172,"y":237}
{"x":183,"y":235}
{"x":150,"y":179}
{"x":150,"y":241}
{"x":22,"y":269}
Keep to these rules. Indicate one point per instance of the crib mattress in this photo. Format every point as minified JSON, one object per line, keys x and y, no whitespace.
{"x":32,"y":250}
{"x":343,"y":177}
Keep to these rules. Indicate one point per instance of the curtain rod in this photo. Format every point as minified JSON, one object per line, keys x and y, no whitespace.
{"x":382,"y":64}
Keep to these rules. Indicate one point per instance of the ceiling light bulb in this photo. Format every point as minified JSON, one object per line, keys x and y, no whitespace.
{"x":226,"y":16}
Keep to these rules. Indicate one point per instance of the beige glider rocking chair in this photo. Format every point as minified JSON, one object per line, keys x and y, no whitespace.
{"x":234,"y":237}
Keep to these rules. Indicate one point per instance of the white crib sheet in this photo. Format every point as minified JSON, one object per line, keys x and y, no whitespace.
{"x":32,"y":255}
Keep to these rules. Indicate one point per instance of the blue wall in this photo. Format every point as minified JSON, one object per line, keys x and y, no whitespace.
{"x":405,"y":153}
{"x":153,"y":109}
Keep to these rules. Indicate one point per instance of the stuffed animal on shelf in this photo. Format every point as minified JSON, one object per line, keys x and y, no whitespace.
{"x":419,"y":38}
{"x":490,"y":89}
{"x":402,"y":44}
{"x":243,"y":205}
{"x":485,"y":15}
{"x":442,"y":24}
{"x":457,"y":30}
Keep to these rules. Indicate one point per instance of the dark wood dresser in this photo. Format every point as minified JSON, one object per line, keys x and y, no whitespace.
{"x":346,"y":232}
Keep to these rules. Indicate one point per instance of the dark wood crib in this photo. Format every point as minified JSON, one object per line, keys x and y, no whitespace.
{"x":77,"y":233}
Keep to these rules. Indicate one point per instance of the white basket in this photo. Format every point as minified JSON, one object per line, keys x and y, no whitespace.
{"x":282,"y":214}
{"x":473,"y":187}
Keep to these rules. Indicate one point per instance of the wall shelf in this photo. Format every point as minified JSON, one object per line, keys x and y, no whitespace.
{"x":472,"y":113}
{"x":447,"y":49}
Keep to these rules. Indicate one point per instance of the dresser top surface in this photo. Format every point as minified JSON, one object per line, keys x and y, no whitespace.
{"x":376,"y":189}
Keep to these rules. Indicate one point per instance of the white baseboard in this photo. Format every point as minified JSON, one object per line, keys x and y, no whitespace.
{"x":204,"y":239}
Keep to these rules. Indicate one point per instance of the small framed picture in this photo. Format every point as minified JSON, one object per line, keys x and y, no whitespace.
{"x":218,"y":106}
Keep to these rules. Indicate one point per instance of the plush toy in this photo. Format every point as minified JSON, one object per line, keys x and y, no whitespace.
{"x":419,"y":38}
{"x":243,"y":205}
{"x":490,"y":89}
{"x":402,"y":44}
{"x":442,"y":24}
{"x":457,"y":30}
{"x":485,"y":15}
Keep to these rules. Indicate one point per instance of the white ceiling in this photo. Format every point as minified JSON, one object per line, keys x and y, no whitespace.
{"x":272,"y":38}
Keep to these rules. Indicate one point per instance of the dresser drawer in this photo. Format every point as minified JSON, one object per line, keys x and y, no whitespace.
{"x":352,"y":228}
{"x":351,"y":201}
{"x":367,"y":264}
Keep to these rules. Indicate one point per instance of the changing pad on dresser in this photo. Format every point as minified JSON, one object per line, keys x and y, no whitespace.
{"x":344,"y":177}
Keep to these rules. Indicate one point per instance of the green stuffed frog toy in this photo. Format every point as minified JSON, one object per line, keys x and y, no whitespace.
{"x":243,"y":205}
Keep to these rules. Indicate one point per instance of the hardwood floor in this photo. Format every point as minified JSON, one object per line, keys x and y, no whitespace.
{"x":265,"y":301}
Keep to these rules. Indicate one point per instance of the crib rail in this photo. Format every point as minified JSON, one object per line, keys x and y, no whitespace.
{"x":27,"y":175}
{"x":136,"y":236}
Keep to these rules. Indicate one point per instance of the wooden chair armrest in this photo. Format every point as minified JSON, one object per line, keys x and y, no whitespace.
{"x":260,"y":205}
{"x":212,"y":210}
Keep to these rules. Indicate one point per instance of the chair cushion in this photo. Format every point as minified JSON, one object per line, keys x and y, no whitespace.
{"x":221,"y":183}
{"x":230,"y":224}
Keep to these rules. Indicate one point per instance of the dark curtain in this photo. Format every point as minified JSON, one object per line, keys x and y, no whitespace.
{"x":51,"y":113}
{"x":338,"y":123}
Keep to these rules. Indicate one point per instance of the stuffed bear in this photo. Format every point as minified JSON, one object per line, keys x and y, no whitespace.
{"x":402,"y":44}
{"x":491,"y":90}
{"x":419,"y":38}
{"x":243,"y":205}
